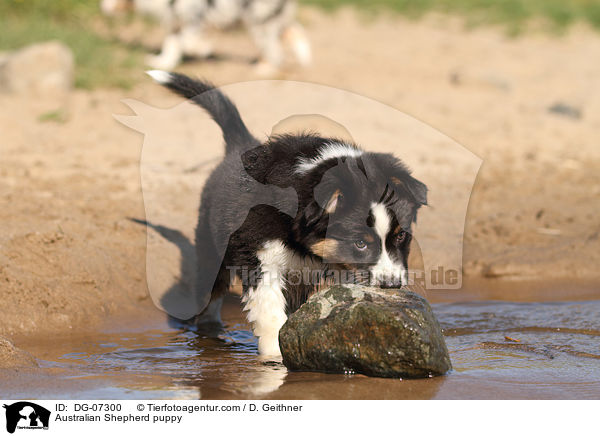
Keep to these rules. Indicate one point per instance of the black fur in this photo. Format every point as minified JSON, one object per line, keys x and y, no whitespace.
{"x":221,"y":109}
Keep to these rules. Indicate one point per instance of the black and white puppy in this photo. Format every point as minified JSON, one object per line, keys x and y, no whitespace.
{"x":288,"y":213}
{"x":270,"y":22}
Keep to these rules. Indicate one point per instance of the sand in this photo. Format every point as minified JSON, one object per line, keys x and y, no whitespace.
{"x":71,"y":259}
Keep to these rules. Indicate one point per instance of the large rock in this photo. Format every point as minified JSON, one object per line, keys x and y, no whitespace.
{"x":368,"y":330}
{"x":38,"y":70}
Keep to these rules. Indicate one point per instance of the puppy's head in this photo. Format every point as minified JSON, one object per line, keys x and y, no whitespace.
{"x":361,"y":212}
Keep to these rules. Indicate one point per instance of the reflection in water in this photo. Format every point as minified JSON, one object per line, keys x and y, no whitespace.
{"x":553,"y":352}
{"x":191,"y":362}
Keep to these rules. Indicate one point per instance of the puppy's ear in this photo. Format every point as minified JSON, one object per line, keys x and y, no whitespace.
{"x":324,"y":204}
{"x":257,"y":162}
{"x":417,"y":189}
{"x":333,"y":202}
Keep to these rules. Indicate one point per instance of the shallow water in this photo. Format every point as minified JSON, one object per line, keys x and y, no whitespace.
{"x":557,"y":356}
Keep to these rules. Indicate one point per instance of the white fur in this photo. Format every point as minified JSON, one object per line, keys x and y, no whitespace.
{"x":385,"y":268}
{"x":159,"y":76}
{"x":266,"y":303}
{"x":331,"y":150}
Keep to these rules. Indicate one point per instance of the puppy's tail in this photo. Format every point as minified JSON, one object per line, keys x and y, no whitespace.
{"x":221,"y":109}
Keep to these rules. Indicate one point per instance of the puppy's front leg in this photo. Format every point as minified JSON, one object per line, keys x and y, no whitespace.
{"x":265,"y":305}
{"x":170,"y":55}
{"x":265,"y":301}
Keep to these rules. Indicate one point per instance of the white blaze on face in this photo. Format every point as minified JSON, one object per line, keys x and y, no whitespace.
{"x":385,"y":270}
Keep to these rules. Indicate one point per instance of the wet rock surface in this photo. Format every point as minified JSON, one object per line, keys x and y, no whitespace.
{"x":367,"y":330}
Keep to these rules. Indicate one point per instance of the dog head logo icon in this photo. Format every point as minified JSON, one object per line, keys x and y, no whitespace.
{"x":26,"y":415}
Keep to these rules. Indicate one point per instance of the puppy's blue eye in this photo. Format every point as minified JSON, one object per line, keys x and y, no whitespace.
{"x":360,"y":244}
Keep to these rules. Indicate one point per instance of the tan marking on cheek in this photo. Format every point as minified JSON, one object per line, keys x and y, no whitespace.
{"x":325,"y":248}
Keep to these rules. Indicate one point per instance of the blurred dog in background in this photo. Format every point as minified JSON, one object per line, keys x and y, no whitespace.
{"x":270,"y":22}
